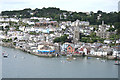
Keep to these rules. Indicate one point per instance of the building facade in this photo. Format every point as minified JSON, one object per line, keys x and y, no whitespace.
{"x":76,"y":34}
{"x":102,"y":31}
{"x":102,"y":34}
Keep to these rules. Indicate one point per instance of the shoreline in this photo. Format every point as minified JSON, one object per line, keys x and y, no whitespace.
{"x":9,"y":45}
{"x":25,"y":50}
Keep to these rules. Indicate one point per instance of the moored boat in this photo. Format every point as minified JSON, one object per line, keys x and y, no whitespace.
{"x":5,"y":55}
{"x":117,"y":63}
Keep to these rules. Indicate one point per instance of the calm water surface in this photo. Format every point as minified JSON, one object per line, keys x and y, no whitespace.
{"x":0,"y":63}
{"x":22,"y":65}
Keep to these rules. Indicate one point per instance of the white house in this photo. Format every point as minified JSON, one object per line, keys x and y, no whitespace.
{"x":12,"y":28}
{"x":84,"y":23}
{"x":68,"y":23}
{"x":14,"y":33}
{"x":63,"y":26}
{"x":30,"y":23}
{"x":2,"y":37}
{"x":22,"y":28}
{"x":116,"y":53}
{"x":22,"y":37}
{"x":4,"y":24}
{"x":27,"y":29}
{"x":107,"y":41}
{"x":100,"y":53}
{"x":85,"y":51}
{"x":92,"y":51}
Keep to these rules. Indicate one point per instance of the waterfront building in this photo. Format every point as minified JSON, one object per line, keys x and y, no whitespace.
{"x":70,"y":49}
{"x":46,"y":49}
{"x":102,"y":51}
{"x":81,"y":50}
{"x":64,"y":47}
{"x":92,"y":51}
{"x":116,"y":51}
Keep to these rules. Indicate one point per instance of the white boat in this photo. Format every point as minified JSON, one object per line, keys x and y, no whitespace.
{"x":74,"y":58}
{"x":68,"y":58}
{"x":103,"y":61}
{"x":56,"y":55}
{"x":97,"y":58}
{"x":117,"y":63}
{"x":62,"y":61}
{"x":69,"y":55}
{"x":5,"y":55}
{"x":15,"y":56}
{"x":23,"y":57}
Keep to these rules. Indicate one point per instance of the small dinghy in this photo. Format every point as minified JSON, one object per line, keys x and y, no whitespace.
{"x":97,"y":58}
{"x":103,"y":61}
{"x":15,"y":56}
{"x":89,"y":57}
{"x":74,"y":58}
{"x":5,"y":55}
{"x":69,"y":59}
{"x":117,"y":63}
{"x":69,"y":55}
{"x":23,"y":57}
{"x":62,"y":61}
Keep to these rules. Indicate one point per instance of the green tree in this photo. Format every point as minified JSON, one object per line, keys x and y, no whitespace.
{"x":60,"y":39}
{"x":15,"y":38}
{"x":57,"y":39}
{"x":93,"y":34}
{"x":111,"y":29}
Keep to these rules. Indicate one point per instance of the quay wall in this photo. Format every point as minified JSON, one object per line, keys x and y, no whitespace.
{"x":10,"y":45}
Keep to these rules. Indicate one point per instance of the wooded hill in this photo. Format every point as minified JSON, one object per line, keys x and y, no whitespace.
{"x":112,"y":18}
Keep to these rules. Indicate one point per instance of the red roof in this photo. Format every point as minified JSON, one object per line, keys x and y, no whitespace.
{"x":81,"y":49}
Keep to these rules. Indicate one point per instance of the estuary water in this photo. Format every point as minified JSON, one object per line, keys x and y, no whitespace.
{"x":20,"y":64}
{"x":0,"y":63}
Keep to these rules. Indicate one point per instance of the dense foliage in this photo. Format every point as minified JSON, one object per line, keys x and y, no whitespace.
{"x":60,"y":39}
{"x":7,"y":40}
{"x":56,"y":13}
{"x":33,"y":33}
{"x":91,"y":38}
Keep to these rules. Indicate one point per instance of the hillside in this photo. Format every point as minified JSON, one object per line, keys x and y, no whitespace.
{"x":112,"y":18}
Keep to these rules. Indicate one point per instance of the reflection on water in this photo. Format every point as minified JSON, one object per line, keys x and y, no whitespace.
{"x":22,"y":65}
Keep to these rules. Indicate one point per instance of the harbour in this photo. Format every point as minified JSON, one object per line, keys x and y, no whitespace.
{"x":20,"y":64}
{"x":116,"y":57}
{"x":49,"y":39}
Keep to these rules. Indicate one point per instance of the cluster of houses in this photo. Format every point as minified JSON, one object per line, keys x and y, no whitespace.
{"x":47,"y":30}
{"x":96,"y":49}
